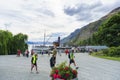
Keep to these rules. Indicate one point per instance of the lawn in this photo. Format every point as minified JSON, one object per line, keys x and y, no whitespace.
{"x":107,"y":57}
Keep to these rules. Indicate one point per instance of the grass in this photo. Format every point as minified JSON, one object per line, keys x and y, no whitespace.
{"x":107,"y":57}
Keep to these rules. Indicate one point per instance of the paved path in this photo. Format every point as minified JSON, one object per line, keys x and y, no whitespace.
{"x":90,"y":68}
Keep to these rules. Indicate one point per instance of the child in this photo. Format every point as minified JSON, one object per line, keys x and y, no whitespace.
{"x":71,"y":57}
{"x":34,"y":62}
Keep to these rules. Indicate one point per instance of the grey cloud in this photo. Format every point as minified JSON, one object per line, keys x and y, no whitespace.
{"x":39,"y":10}
{"x":45,"y":11}
{"x":104,"y":8}
{"x":27,"y":7}
{"x":8,"y":24}
{"x":88,"y":12}
{"x":54,"y":36}
{"x":82,"y":11}
{"x":107,"y":8}
{"x":81,"y":8}
{"x":84,"y":16}
{"x":57,"y":26}
{"x":15,"y":15}
{"x":57,"y":34}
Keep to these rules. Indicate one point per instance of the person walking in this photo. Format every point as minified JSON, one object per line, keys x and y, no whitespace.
{"x":71,"y":58}
{"x":66,"y":51}
{"x":18,"y":52}
{"x":34,"y":62}
{"x":27,"y":53}
{"x":32,"y":52}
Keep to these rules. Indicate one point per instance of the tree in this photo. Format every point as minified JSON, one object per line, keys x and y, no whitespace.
{"x":5,"y":41}
{"x":109,"y":33}
{"x":19,"y":42}
{"x":9,"y":43}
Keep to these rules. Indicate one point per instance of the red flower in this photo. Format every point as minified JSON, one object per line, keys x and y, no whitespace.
{"x":67,"y":75}
{"x":74,"y":72}
{"x":63,"y":72}
{"x":56,"y":71}
{"x":66,"y":68}
{"x":55,"y":76}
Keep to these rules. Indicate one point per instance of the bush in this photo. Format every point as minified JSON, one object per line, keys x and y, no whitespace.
{"x":105,"y":52}
{"x":117,"y":52}
{"x":112,"y":52}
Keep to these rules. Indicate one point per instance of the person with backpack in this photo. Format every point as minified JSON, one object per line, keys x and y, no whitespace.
{"x":71,"y":58}
{"x":34,"y":62}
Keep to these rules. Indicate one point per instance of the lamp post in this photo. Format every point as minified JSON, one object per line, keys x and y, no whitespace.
{"x":7,"y":25}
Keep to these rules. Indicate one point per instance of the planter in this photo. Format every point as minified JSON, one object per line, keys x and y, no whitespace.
{"x":63,"y":72}
{"x":63,"y":79}
{"x":75,"y":79}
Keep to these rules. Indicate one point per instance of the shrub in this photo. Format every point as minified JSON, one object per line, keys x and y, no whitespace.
{"x":112,"y":52}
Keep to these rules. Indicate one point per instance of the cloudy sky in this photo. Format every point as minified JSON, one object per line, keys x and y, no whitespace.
{"x":52,"y":17}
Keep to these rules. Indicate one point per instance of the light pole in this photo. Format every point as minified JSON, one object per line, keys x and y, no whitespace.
{"x":44,"y":37}
{"x":7,"y":25}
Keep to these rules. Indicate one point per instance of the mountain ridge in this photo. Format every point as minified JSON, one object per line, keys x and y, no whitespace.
{"x":87,"y":31}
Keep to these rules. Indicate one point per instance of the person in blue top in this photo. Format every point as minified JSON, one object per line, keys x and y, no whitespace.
{"x":71,"y":58}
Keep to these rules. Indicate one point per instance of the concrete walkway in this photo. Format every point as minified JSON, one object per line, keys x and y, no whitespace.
{"x":90,"y":68}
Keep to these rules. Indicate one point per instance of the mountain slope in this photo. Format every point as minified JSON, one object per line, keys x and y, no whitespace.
{"x":71,"y":36}
{"x":87,"y":31}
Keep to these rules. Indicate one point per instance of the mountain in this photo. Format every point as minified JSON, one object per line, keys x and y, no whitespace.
{"x":71,"y":36}
{"x":88,"y":30}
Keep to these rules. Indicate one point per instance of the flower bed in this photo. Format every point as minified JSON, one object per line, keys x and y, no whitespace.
{"x":63,"y":72}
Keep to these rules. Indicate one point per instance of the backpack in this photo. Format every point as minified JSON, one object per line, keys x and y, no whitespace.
{"x":69,"y":55}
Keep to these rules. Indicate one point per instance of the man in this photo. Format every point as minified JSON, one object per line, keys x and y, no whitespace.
{"x":71,"y":57}
{"x":34,"y":62}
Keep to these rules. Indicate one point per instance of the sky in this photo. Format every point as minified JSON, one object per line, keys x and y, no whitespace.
{"x":51,"y":17}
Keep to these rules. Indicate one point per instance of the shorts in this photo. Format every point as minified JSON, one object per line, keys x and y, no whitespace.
{"x":72,"y":61}
{"x":52,"y":63}
{"x":34,"y":64}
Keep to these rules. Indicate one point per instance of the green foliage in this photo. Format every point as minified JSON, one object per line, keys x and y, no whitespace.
{"x":5,"y":37}
{"x":19,"y":41}
{"x":105,"y":31}
{"x":112,"y":52}
{"x":107,"y":34}
{"x":105,"y":51}
{"x":9,"y":43}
